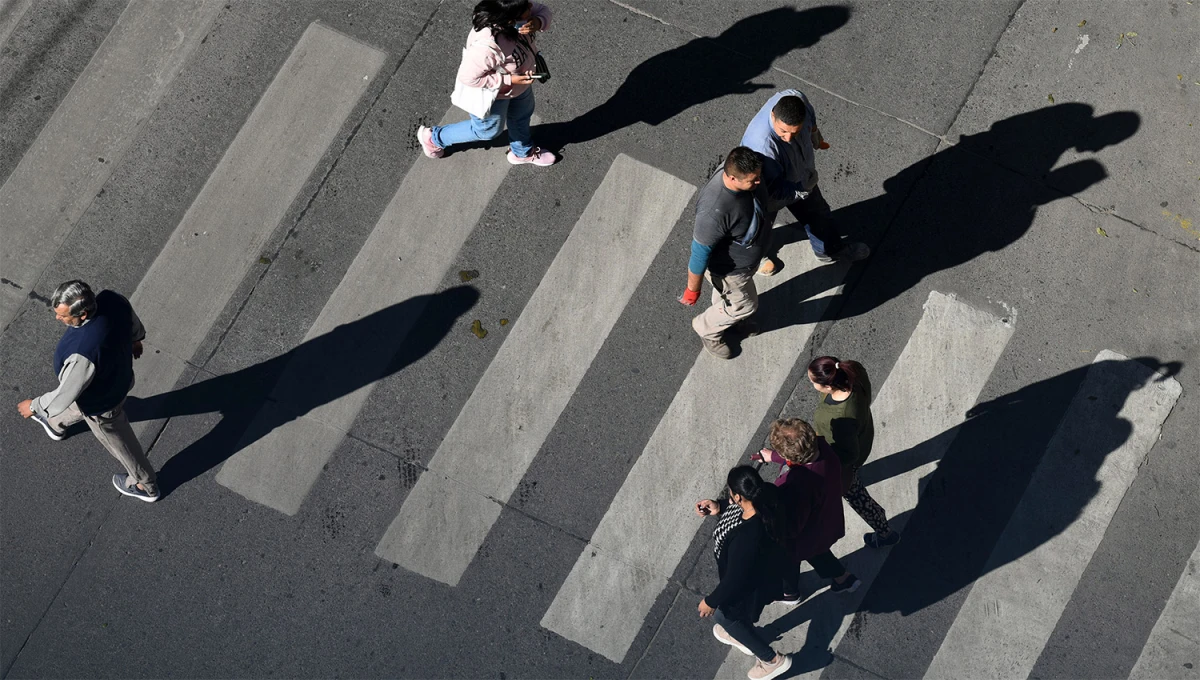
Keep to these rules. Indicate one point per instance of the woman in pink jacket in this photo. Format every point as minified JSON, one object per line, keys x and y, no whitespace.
{"x":499,"y":51}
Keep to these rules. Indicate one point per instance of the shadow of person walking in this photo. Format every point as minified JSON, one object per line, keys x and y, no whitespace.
{"x":698,"y":71}
{"x":956,"y":205}
{"x":954,"y":536}
{"x":318,"y":371}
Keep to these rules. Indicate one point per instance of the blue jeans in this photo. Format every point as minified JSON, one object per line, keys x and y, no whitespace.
{"x":517,"y":111}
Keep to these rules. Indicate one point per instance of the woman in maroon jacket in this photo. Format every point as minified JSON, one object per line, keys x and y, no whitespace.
{"x":811,"y":483}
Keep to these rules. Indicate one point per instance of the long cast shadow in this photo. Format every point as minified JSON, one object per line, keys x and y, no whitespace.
{"x":699,"y":71}
{"x":318,"y":371}
{"x":964,"y":207}
{"x":966,"y":503}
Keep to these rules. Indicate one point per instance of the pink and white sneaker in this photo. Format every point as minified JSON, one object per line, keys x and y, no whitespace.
{"x":538,"y":156}
{"x":425,"y":137}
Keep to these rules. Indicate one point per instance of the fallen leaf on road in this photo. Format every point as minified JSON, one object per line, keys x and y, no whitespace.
{"x":478,"y":330}
{"x":1101,"y":232}
{"x":1055,"y":30}
{"x":503,"y":322}
{"x":1050,"y":97}
{"x":468,"y":274}
{"x":1083,"y":23}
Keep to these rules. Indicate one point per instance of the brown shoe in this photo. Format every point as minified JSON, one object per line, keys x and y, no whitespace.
{"x":717,"y":348}
{"x":768,"y":671}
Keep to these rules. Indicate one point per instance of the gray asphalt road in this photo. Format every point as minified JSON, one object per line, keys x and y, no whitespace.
{"x":362,"y":482}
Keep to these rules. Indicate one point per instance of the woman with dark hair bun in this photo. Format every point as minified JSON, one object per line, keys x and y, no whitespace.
{"x":749,"y":545}
{"x":501,"y":51}
{"x":843,"y":419}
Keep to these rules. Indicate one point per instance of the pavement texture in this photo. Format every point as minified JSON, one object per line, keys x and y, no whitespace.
{"x":1037,"y":160}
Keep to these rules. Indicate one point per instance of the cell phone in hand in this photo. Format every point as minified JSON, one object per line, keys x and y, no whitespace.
{"x":538,"y":76}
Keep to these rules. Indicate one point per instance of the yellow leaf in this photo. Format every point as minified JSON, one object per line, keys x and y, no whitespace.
{"x":1130,"y":34}
{"x":1101,"y":232}
{"x":1050,"y":97}
{"x":1178,"y":76}
{"x":1083,"y":23}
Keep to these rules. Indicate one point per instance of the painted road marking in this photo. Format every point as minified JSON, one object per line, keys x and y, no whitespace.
{"x":222,"y":233}
{"x":965,"y":343}
{"x":1012,"y":609}
{"x":1173,"y":649}
{"x":61,"y":173}
{"x":703,"y":433}
{"x":430,"y":216}
{"x":508,"y":416}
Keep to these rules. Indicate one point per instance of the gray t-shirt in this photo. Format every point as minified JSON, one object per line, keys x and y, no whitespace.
{"x":733,"y":224}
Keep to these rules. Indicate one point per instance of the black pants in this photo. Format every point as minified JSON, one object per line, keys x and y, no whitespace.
{"x":814,"y":214}
{"x":826,"y":565}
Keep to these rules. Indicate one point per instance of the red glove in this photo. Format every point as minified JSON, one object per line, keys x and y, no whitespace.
{"x":689,"y":297}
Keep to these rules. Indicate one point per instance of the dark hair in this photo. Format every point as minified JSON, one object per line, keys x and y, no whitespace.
{"x":831,"y":371}
{"x":76,"y":295}
{"x":499,"y":15}
{"x":790,"y":110}
{"x":765,"y":497}
{"x":743,"y":161}
{"x":795,"y":440}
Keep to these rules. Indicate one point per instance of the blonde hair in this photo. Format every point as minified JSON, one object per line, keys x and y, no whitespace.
{"x":795,"y":440}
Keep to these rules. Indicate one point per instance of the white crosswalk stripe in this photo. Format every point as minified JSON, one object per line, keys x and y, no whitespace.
{"x":702,"y":434}
{"x":222,"y":233}
{"x":76,"y":151}
{"x":965,"y":343}
{"x":1012,"y":610}
{"x":1173,"y":650}
{"x":447,"y":516}
{"x":279,"y":469}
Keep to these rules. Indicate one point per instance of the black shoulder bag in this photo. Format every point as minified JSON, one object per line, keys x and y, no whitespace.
{"x":540,"y":70}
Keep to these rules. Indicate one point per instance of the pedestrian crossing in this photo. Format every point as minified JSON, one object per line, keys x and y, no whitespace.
{"x":629,"y":559}
{"x":402,"y":259}
{"x":516,"y":403}
{"x":130,"y":72}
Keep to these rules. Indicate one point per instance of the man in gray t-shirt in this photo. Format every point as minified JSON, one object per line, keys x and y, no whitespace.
{"x":730,"y":237}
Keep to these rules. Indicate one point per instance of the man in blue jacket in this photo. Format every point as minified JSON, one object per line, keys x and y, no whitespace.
{"x":94,"y":365}
{"x":785,"y":132}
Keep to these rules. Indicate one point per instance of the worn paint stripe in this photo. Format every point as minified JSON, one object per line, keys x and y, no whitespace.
{"x":61,"y":173}
{"x":1012,"y":609}
{"x":435,"y":209}
{"x":702,"y":434}
{"x":965,"y":343}
{"x":508,"y":416}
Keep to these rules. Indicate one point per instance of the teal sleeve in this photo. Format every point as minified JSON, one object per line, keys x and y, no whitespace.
{"x":699,"y":259}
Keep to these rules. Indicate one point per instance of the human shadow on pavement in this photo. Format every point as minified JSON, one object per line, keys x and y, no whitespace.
{"x":956,"y":205}
{"x":318,"y":371}
{"x":699,"y":71}
{"x":951,"y":538}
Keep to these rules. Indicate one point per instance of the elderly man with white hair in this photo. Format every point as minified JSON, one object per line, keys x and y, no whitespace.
{"x":94,"y":365}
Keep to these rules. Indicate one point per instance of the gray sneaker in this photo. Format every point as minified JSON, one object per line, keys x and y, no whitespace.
{"x":50,"y":431}
{"x":852,"y":251}
{"x":121,"y":481}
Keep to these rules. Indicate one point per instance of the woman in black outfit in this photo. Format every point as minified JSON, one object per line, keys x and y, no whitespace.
{"x":749,"y":547}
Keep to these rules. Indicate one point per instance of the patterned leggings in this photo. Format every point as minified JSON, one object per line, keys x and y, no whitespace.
{"x":866,"y":507}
